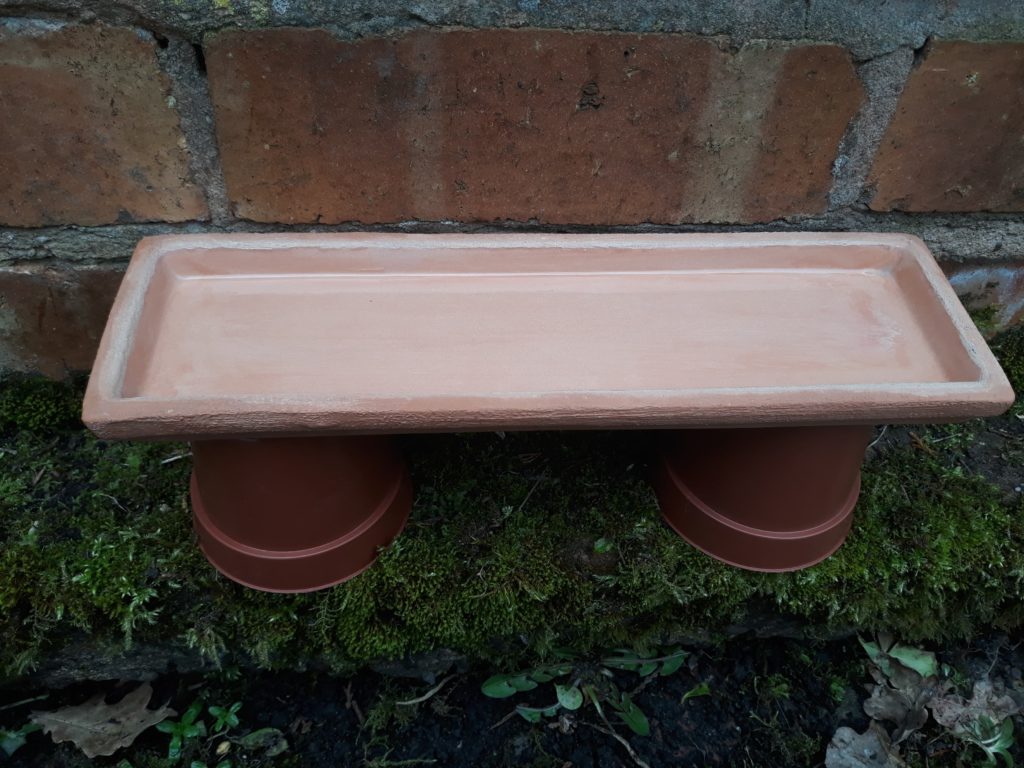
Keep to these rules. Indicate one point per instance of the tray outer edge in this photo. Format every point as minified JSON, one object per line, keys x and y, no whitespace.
{"x":109,"y":415}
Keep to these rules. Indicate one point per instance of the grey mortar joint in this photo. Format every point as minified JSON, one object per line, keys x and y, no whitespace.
{"x":869,"y":28}
{"x":953,"y":238}
{"x":191,"y":94}
{"x":883,"y":79}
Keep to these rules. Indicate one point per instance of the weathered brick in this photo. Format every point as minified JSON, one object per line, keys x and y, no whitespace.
{"x":956,"y":142}
{"x":89,"y":133}
{"x":51,"y":320}
{"x":559,"y":127}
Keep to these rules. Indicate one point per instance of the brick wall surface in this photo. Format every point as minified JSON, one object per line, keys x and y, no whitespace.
{"x":90,"y":132}
{"x":134,"y":119}
{"x":557,"y":127}
{"x":957,"y":140}
{"x":51,"y":319}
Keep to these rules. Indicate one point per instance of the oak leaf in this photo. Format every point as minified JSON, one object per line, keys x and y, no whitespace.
{"x":100,"y":729}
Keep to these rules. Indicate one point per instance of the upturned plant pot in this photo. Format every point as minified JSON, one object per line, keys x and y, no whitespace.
{"x":297,"y":514}
{"x":767,"y":499}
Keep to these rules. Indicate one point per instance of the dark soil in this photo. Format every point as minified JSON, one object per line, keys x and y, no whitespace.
{"x":991,"y":448}
{"x":773,"y":702}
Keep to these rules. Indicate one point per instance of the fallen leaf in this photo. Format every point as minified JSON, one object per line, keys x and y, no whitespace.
{"x":906,"y":679}
{"x":904,"y":705}
{"x":886,"y":703}
{"x":908,"y":714}
{"x":100,"y":729}
{"x":958,"y":715}
{"x":871,"y":749}
{"x":922,"y":662}
{"x":300,"y":726}
{"x":902,"y":691}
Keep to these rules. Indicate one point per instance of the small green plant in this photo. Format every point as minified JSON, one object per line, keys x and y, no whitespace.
{"x":184,"y":731}
{"x":201,"y":764}
{"x":582,"y":682}
{"x":837,"y":688}
{"x":224,"y":718}
{"x":992,"y":738}
{"x":774,"y":686}
{"x":701,"y":689}
{"x":603,"y":545}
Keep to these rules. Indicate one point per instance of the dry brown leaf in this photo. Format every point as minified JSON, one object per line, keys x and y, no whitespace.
{"x":904,"y":708}
{"x":100,"y":729}
{"x":886,"y":703}
{"x":871,"y":749}
{"x":901,"y":694}
{"x":958,"y":715}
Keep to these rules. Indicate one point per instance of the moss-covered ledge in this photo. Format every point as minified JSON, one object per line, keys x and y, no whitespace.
{"x":499,"y":558}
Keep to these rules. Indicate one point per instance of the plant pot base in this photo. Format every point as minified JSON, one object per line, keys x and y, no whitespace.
{"x":772,"y":499}
{"x":297,"y":514}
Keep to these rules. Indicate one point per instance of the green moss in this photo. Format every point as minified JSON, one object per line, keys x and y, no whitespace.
{"x":933,"y":553}
{"x":38,"y":405}
{"x":987,"y":319}
{"x":498,"y":559}
{"x":1009,"y":348}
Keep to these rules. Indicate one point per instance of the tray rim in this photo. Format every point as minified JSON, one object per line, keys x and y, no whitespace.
{"x":109,"y":414}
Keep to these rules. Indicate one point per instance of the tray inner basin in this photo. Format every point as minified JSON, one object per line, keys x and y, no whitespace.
{"x":373,"y":322}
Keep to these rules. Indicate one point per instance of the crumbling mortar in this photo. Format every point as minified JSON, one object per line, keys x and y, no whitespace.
{"x":70,"y":13}
{"x":190,"y":91}
{"x":869,"y":28}
{"x":921,"y":52}
{"x":953,"y":238}
{"x":883,"y":78}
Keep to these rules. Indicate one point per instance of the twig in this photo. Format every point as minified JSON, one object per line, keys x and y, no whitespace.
{"x":351,"y":703}
{"x":24,"y":701}
{"x":916,"y":439}
{"x":425,"y":696}
{"x":610,"y":661}
{"x":118,"y":503}
{"x":644,"y":682}
{"x":881,"y":434}
{"x":503,"y":720}
{"x":176,"y":457}
{"x":995,"y":658}
{"x":528,"y":495}
{"x":608,"y":731}
{"x":394,"y":764}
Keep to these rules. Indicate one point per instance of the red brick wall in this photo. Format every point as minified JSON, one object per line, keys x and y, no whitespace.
{"x":557,"y":127}
{"x":90,"y":133}
{"x":121,"y":133}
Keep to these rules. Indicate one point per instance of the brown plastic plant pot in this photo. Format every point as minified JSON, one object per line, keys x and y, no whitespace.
{"x":297,"y":514}
{"x":771,"y":499}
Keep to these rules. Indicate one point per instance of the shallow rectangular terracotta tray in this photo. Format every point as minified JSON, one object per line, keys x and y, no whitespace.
{"x":289,"y":334}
